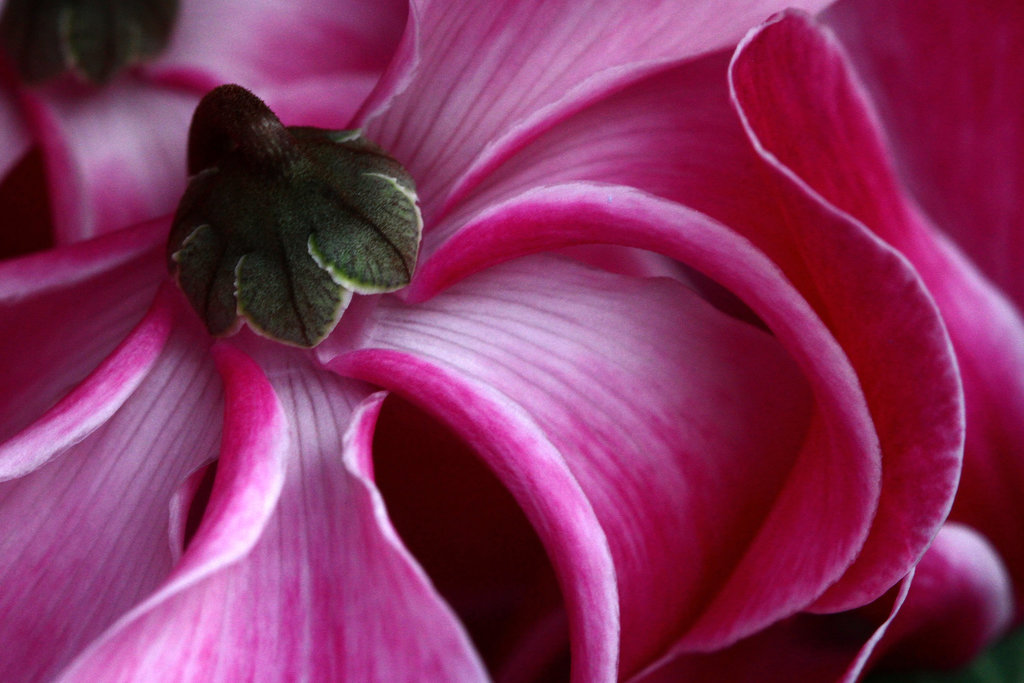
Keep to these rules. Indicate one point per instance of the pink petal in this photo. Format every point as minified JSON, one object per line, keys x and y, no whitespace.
{"x":63,"y":311}
{"x":264,"y":44}
{"x":960,"y":602}
{"x":953,"y":604}
{"x":834,"y":647}
{"x":841,"y":157}
{"x":673,"y":134}
{"x":777,"y":77}
{"x":945,"y":93}
{"x":471,"y":537}
{"x":872,"y":300}
{"x":295,"y":571}
{"x":473,"y":82}
{"x":86,"y":535}
{"x":115,"y":156}
{"x":946,"y":86}
{"x":668,"y":414}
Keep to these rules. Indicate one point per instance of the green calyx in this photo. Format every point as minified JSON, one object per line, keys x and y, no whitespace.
{"x":91,"y":38}
{"x":280,"y":226}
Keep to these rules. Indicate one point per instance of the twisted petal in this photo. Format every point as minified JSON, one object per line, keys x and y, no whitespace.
{"x":693,"y":437}
{"x":881,"y":325}
{"x":944,"y":86}
{"x":63,"y":311}
{"x":295,"y":571}
{"x":841,"y":157}
{"x":86,"y":535}
{"x":472,"y":82}
{"x":956,"y":601}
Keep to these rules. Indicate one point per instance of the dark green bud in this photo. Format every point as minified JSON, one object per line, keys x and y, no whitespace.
{"x":280,"y":226}
{"x":92,"y":38}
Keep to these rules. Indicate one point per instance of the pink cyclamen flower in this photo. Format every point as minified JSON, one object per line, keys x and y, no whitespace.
{"x":112,"y":153}
{"x":702,"y":451}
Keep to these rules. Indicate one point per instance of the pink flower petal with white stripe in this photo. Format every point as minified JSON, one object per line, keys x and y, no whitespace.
{"x":472,"y":83}
{"x":86,"y":533}
{"x":693,"y":436}
{"x":295,"y":571}
{"x":63,"y":311}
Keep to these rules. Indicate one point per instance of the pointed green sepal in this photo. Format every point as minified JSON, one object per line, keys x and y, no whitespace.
{"x":280,"y":226}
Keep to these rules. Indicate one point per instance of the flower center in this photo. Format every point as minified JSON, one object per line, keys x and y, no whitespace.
{"x":280,"y":226}
{"x":91,"y":38}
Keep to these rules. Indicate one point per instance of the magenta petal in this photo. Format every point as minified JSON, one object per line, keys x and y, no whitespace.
{"x":295,"y":571}
{"x":63,"y":311}
{"x":849,"y":166}
{"x":86,"y":536}
{"x":960,"y":602}
{"x":91,"y":403}
{"x":953,"y":121}
{"x":549,"y":494}
{"x":946,"y":86}
{"x":836,"y":166}
{"x":266,"y":45}
{"x":834,"y":647}
{"x":474,"y":81}
{"x":114,"y":157}
{"x":692,"y":435}
{"x":866,"y":292}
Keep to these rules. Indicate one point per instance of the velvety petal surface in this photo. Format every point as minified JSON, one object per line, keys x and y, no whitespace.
{"x":954,"y":603}
{"x":115,"y":156}
{"x":269,"y":44}
{"x":693,"y":436}
{"x":63,"y":311}
{"x":86,"y":535}
{"x":869,"y":298}
{"x":683,"y":118}
{"x":961,"y":601}
{"x":841,"y":158}
{"x":806,"y":647}
{"x":945,"y":84}
{"x":295,"y":571}
{"x":473,"y":82}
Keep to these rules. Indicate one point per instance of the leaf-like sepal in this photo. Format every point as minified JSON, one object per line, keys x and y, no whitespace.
{"x":281,"y":225}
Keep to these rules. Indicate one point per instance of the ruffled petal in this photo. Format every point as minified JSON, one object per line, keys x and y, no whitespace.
{"x":86,"y":536}
{"x":956,"y":602}
{"x":841,"y":157}
{"x":945,"y":84}
{"x":692,"y":435}
{"x":873,"y":304}
{"x":295,"y":571}
{"x":473,"y":84}
{"x":63,"y":311}
{"x":673,"y":134}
